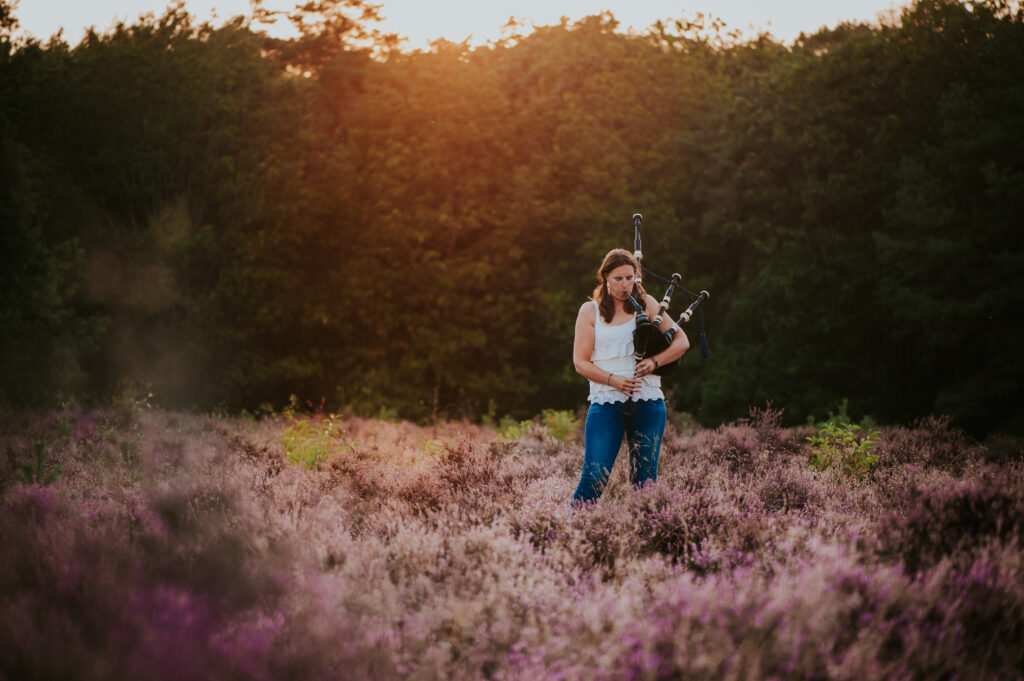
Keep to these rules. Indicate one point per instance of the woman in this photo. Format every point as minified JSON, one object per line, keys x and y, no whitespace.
{"x":625,"y":397}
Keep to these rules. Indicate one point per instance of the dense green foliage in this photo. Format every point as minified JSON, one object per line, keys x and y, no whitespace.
{"x":225,"y":219}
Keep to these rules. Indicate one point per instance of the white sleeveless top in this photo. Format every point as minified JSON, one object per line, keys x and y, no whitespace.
{"x":613,"y":352}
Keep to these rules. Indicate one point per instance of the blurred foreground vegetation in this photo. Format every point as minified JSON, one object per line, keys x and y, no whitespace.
{"x":319,"y":546}
{"x":224,"y":219}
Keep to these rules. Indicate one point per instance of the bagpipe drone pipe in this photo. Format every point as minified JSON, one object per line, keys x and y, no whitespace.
{"x":648,"y":338}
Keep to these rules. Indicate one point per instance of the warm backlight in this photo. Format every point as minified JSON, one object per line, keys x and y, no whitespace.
{"x":457,"y":20}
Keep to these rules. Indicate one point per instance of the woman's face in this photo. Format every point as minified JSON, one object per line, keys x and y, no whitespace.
{"x":620,"y":281}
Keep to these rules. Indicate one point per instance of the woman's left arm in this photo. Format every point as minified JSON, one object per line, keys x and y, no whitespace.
{"x":679,"y":345}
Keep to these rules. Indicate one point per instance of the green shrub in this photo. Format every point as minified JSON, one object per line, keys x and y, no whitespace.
{"x":311,"y":442}
{"x":842,"y":446}
{"x":434,"y":448}
{"x":510,"y":429}
{"x":842,"y":417}
{"x":561,"y":425}
{"x":37,"y":469}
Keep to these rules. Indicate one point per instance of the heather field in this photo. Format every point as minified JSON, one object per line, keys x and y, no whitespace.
{"x":143,"y":544}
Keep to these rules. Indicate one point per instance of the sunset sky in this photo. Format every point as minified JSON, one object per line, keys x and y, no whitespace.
{"x":422,"y":20}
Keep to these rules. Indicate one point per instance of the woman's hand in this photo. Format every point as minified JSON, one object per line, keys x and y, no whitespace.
{"x":645,"y":367}
{"x":626,"y":384}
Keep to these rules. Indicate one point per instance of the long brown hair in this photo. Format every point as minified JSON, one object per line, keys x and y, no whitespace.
{"x":617,"y":257}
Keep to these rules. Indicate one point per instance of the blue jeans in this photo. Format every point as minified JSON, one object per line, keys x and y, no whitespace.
{"x":606,"y":424}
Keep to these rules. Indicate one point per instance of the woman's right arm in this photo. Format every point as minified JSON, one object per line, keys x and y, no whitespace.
{"x":583,"y":353}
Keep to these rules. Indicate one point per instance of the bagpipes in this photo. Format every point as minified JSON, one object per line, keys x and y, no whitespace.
{"x":648,"y":338}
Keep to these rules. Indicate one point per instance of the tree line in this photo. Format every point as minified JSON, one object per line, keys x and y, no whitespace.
{"x":225,"y":219}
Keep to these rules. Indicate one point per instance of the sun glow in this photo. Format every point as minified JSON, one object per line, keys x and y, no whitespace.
{"x":420,"y":22}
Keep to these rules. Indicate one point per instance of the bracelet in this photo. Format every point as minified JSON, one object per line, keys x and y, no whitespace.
{"x":656,"y":365}
{"x":609,"y":381}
